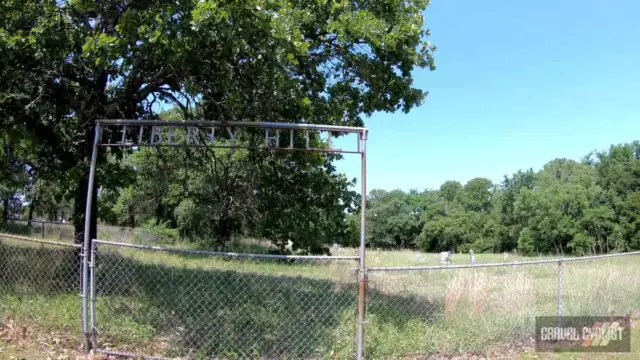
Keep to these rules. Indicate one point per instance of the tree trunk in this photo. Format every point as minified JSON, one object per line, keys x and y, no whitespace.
{"x":32,"y":207}
{"x":80,"y":204}
{"x":159,"y":214}
{"x":5,"y":210}
{"x":224,"y":232}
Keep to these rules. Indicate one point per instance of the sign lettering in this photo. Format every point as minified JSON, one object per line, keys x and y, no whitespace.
{"x":221,"y":136}
{"x":193,"y":136}
{"x":172,"y":136}
{"x":156,"y":135}
{"x":271,"y":141}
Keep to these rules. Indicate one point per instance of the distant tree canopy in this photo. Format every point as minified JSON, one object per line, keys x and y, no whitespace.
{"x":65,"y":64}
{"x":591,"y":206}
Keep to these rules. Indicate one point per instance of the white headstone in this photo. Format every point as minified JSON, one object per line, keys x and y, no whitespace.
{"x":445,"y":257}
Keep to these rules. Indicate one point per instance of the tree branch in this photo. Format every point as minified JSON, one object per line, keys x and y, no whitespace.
{"x":174,"y":99}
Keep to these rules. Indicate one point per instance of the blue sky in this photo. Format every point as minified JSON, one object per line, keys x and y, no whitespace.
{"x":517,"y":84}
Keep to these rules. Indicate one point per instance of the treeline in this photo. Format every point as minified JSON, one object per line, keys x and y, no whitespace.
{"x":213,"y":196}
{"x":577,"y":207}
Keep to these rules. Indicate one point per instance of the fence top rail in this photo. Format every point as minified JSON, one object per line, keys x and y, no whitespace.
{"x":41,"y":222}
{"x":248,"y":124}
{"x":47,"y":242}
{"x":225,"y":254}
{"x":505,"y":264}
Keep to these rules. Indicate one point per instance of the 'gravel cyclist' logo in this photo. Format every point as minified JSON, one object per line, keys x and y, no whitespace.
{"x":583,"y":334}
{"x":601,"y":334}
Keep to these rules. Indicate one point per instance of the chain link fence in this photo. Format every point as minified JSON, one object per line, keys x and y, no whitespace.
{"x":197,"y":304}
{"x":188,"y":304}
{"x":426,"y":311}
{"x":65,"y":231}
{"x":600,"y":286}
{"x":40,"y":284}
{"x":60,"y":231}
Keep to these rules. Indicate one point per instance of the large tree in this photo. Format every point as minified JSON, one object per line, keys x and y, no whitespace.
{"x":564,"y":211}
{"x":393,"y":219}
{"x":65,"y":64}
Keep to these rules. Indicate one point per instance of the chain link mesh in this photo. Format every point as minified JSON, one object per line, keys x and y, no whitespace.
{"x":183,"y":304}
{"x":599,"y":287}
{"x":40,"y":284}
{"x":180,"y":304}
{"x":424,"y":312}
{"x":453,"y":311}
{"x":40,"y":229}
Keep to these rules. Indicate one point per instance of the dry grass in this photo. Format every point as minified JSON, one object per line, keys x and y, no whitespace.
{"x":478,"y":309}
{"x":20,"y":340}
{"x":465,"y":313}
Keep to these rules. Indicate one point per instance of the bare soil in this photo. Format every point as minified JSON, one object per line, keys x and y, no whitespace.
{"x":27,"y":342}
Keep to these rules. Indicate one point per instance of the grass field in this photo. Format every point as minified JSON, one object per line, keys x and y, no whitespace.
{"x":193,"y":305}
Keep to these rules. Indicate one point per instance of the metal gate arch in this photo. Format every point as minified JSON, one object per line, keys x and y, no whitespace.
{"x":197,"y":132}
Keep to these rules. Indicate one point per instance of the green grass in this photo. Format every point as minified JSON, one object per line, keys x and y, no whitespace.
{"x":171,"y":304}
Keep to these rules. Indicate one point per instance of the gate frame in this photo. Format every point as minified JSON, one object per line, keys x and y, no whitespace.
{"x":88,"y":248}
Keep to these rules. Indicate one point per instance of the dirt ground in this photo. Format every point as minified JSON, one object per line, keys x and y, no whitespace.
{"x":20,"y":342}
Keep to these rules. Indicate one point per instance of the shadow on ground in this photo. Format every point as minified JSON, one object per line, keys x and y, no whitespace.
{"x":34,"y":269}
{"x":239,"y":313}
{"x":179,"y":311}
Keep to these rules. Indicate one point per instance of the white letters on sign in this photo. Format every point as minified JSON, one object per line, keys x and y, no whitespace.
{"x":172,"y":137}
{"x":269,"y":140}
{"x":193,"y":136}
{"x":156,"y":135}
{"x":232,"y":136}
{"x":206,"y":136}
{"x":212,"y":136}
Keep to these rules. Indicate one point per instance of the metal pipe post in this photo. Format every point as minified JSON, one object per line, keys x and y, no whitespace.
{"x":92,"y":289}
{"x":87,"y":240}
{"x":362,"y":295}
{"x":558,"y":293}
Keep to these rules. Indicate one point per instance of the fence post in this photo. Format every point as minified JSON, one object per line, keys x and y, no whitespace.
{"x":559,"y":293}
{"x":92,"y":284}
{"x":86,"y":332}
{"x":362,"y":295}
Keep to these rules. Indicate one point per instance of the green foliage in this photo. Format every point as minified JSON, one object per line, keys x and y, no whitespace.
{"x":477,"y":195}
{"x":308,"y":207}
{"x":450,"y":191}
{"x":154,"y":232}
{"x":393,"y":219}
{"x":65,"y":64}
{"x":447,"y":232}
{"x":210,"y":196}
{"x":567,"y":207}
